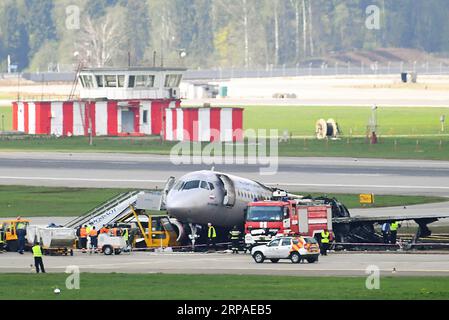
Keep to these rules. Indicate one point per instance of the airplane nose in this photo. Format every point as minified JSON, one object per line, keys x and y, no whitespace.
{"x":179,"y":206}
{"x":184,"y":205}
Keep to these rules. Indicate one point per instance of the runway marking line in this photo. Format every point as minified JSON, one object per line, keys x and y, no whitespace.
{"x":271,"y":183}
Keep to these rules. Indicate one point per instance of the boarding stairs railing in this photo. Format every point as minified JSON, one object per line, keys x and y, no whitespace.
{"x":107,"y":212}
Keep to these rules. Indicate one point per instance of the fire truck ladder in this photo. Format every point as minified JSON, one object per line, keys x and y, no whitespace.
{"x":107,"y":212}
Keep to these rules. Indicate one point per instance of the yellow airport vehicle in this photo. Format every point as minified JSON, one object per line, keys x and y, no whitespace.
{"x":8,"y":233}
{"x":156,"y":230}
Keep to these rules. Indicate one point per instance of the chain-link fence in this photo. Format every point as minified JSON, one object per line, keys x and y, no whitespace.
{"x":311,"y":69}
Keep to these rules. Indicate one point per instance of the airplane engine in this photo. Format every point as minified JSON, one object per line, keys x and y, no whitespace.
{"x":179,"y":229}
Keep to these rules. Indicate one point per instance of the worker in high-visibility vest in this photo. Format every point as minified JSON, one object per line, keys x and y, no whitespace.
{"x":234,"y":234}
{"x":83,"y":238}
{"x":37,"y":254}
{"x":325,"y":240}
{"x":211,"y":236}
{"x":21,"y":234}
{"x":394,"y":226}
{"x":115,"y":232}
{"x":93,"y":235}
{"x":88,"y":229}
{"x":104,"y":230}
{"x":125,"y":233}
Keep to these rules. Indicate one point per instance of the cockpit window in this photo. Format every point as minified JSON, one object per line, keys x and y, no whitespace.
{"x":204,"y":185}
{"x":195,"y":184}
{"x":211,"y":186}
{"x":178,"y":185}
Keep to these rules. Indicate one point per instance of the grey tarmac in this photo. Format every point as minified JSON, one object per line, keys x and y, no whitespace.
{"x":337,"y":175}
{"x":335,"y":264}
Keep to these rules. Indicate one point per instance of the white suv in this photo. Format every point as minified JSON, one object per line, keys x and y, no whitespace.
{"x":293,"y":248}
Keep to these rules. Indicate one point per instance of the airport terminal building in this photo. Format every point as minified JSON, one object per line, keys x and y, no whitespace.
{"x":128,"y":102}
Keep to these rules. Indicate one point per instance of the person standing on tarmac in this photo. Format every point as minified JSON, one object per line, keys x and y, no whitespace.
{"x":88,"y":229}
{"x":325,"y":240}
{"x":234,"y":234}
{"x":83,"y":238}
{"x":78,"y":235}
{"x":93,"y":235}
{"x":386,"y":232}
{"x":126,"y":236}
{"x":394,"y":226}
{"x":37,"y":254}
{"x":211,"y":236}
{"x":104,"y":230}
{"x":21,"y":234}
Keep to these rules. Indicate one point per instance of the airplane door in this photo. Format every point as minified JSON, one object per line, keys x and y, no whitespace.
{"x":229,"y":197}
{"x":168,"y":186}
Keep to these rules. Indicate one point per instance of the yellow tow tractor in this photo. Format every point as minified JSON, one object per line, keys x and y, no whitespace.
{"x":8,"y":234}
{"x":156,"y":230}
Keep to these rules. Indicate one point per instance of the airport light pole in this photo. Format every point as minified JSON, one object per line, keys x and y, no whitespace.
{"x":18,"y":85}
{"x":374,"y":118}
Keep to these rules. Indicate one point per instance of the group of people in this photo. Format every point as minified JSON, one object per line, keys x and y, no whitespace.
{"x":89,"y":232}
{"x":390,"y":232}
{"x":234,"y":236}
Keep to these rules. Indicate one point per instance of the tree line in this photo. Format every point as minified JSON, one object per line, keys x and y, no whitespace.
{"x":212,"y":33}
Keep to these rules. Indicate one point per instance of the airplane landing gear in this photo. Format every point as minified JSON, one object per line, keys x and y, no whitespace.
{"x":193,"y":234}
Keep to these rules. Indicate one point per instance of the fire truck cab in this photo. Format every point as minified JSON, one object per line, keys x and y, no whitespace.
{"x":284,"y":216}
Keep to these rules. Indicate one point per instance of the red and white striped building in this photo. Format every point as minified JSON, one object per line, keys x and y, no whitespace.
{"x":131,"y":101}
{"x":106,"y":118}
{"x":204,"y":124}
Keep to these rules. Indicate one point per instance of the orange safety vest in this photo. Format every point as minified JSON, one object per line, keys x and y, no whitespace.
{"x":93,"y":233}
{"x":114,"y":232}
{"x":83,"y":233}
{"x":104,"y":230}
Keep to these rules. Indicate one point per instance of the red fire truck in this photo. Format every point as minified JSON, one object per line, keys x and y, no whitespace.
{"x":285,"y":216}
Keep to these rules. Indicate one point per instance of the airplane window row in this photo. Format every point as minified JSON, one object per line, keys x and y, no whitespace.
{"x":251,"y":196}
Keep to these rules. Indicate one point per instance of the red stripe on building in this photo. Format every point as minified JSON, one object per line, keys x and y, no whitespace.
{"x":15,"y":116}
{"x":157,"y":117}
{"x":237,"y":125}
{"x":215,"y":124}
{"x":112,"y":118}
{"x":37,"y":117}
{"x":43,"y":117}
{"x":191,"y":124}
{"x":67,"y":118}
{"x":25,"y":117}
{"x":89,"y":112}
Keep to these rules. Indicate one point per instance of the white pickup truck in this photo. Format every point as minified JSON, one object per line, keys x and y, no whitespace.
{"x":294,"y":248}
